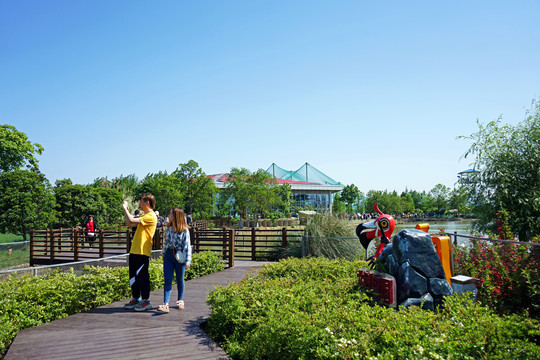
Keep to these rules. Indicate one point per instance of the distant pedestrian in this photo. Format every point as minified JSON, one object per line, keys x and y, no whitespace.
{"x":139,"y":255}
{"x":91,"y":228}
{"x":136,"y":214}
{"x":160,"y":220}
{"x":176,"y":240}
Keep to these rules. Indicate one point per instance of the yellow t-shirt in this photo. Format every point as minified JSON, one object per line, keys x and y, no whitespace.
{"x":142,"y":240}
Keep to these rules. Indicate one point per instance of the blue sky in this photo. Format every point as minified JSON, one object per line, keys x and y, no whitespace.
{"x":370,"y":93}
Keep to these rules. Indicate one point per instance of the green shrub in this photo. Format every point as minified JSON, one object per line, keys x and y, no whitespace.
{"x":29,"y":301}
{"x":313,"y":309}
{"x":204,"y":263}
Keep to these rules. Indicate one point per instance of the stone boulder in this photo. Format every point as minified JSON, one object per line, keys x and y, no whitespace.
{"x":412,"y":259}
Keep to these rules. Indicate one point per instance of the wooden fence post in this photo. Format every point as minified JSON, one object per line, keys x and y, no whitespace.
{"x":32,"y":247}
{"x":253,"y":244}
{"x":51,"y":237}
{"x":284,"y":238}
{"x":101,"y":244}
{"x":75,"y":237}
{"x":196,"y":240}
{"x":46,"y":241}
{"x":224,"y":245}
{"x":231,"y":248}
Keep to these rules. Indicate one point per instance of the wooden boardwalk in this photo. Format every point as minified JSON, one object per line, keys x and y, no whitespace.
{"x":110,"y":332}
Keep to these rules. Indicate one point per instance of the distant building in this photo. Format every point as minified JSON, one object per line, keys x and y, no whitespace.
{"x":469,"y":176}
{"x":309,"y":185}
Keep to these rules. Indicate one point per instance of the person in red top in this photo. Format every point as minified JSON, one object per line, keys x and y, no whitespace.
{"x":91,"y":230}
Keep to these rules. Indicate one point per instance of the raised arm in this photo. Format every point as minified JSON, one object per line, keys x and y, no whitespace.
{"x":131,"y":221}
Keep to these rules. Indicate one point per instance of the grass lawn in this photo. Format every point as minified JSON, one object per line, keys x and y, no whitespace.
{"x":20,"y":253}
{"x":6,"y":238}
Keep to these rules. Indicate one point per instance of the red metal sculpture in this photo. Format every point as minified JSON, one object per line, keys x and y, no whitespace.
{"x":383,"y":226}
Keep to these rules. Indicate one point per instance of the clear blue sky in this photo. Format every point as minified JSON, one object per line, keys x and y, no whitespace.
{"x":371,"y":93}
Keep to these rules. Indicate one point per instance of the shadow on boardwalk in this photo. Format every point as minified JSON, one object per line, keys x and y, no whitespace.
{"x":110,"y":332}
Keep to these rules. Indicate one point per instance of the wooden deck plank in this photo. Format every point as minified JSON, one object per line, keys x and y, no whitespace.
{"x":110,"y":332}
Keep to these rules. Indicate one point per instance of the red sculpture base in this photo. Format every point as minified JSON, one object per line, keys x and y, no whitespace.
{"x":383,"y":284}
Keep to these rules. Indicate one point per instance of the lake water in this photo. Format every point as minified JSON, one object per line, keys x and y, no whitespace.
{"x":460,"y":227}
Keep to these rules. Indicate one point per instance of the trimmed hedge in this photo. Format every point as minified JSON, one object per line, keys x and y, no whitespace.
{"x":313,"y":309}
{"x":29,"y":301}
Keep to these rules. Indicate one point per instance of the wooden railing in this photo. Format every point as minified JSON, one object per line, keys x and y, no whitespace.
{"x":56,"y":246}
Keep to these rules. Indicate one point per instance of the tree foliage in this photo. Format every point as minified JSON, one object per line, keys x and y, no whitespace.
{"x":26,"y":202}
{"x":74,"y":203}
{"x":441,"y":196}
{"x":508,"y":159}
{"x":284,"y":199}
{"x":198,"y":190}
{"x":165,"y":189}
{"x":250,"y":192}
{"x":350,"y":195}
{"x":16,"y":150}
{"x":338,"y":206}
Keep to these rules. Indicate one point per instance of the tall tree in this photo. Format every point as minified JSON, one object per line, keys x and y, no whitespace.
{"x":285,"y":197}
{"x":198,"y":190}
{"x":389,"y":203}
{"x":459,"y":200}
{"x":126,"y":185}
{"x":350,"y":195}
{"x":76,"y":202}
{"x":250,"y":192}
{"x":508,"y":158}
{"x":338,"y":206}
{"x":111,"y":212}
{"x":165,"y":188}
{"x":407,"y":202}
{"x":26,"y":202}
{"x":16,"y":150}
{"x":440,"y":194}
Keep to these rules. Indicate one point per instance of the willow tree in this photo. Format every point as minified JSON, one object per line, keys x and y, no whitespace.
{"x":508,"y":160}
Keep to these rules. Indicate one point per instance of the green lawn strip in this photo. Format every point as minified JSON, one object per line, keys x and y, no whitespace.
{"x":8,"y":238}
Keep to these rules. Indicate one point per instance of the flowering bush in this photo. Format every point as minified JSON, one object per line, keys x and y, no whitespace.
{"x":508,"y":273}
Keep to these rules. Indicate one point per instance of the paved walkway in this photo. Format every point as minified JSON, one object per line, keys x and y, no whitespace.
{"x":110,"y":332}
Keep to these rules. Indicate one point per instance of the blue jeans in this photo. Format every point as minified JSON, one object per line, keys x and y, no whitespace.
{"x":170,"y":266}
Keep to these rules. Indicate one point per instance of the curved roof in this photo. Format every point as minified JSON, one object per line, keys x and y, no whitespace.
{"x":306,"y":173}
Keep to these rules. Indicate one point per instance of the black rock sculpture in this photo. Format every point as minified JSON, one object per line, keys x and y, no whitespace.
{"x":412,"y":260}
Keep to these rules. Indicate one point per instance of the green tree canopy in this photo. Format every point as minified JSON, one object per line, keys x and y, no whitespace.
{"x":338,"y":206}
{"x":285,"y":197}
{"x":198,"y":190}
{"x":75,"y":203}
{"x":389,"y":203}
{"x":165,"y":188}
{"x":127,"y":185}
{"x":441,"y":196}
{"x":26,"y":203}
{"x":250,"y":192}
{"x":16,"y":150}
{"x":508,"y":158}
{"x":350,"y":195}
